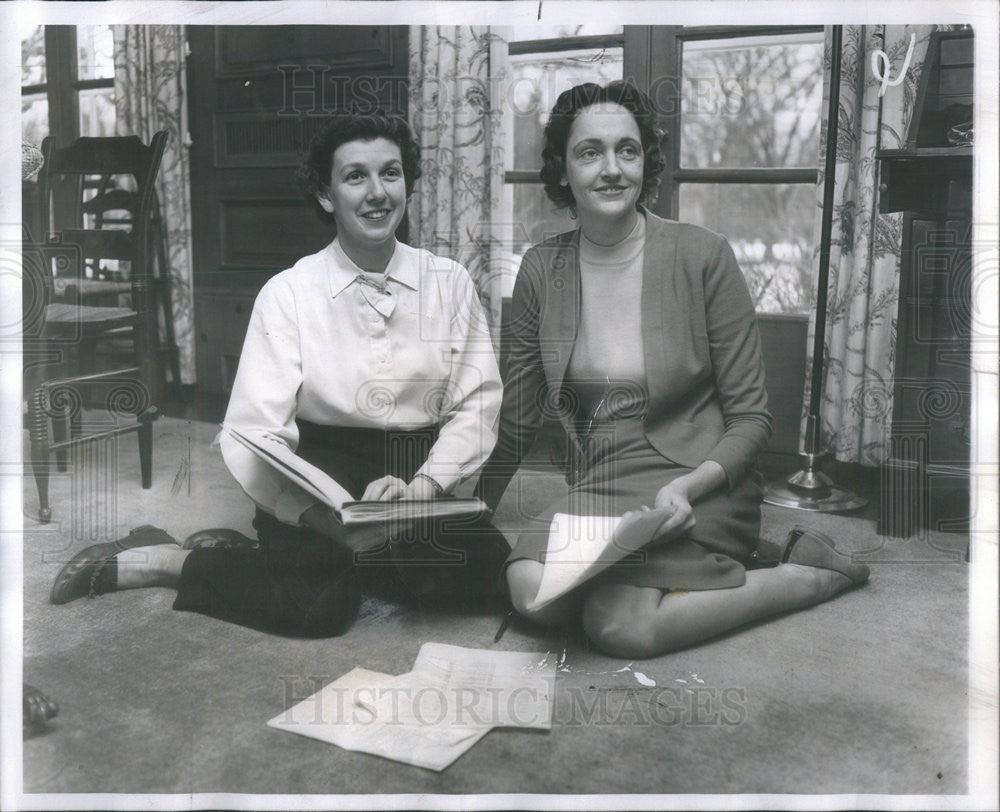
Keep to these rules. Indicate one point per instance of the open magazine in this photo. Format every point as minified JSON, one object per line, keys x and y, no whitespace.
{"x":330,"y":492}
{"x":582,"y":546}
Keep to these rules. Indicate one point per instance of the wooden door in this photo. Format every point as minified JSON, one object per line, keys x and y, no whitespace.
{"x":256,"y":96}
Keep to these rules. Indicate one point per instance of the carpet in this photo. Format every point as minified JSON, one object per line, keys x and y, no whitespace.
{"x":864,"y":694}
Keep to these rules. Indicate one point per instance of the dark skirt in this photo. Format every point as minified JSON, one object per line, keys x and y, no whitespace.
{"x":620,"y":471}
{"x":300,"y":583}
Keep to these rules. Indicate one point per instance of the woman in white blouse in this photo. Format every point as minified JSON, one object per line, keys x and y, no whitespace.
{"x":373,"y":361}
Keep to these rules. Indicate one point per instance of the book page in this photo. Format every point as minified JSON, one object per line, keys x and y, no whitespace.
{"x":304,"y":474}
{"x":582,"y":546}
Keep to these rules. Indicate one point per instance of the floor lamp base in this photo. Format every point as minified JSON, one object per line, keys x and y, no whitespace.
{"x":837,"y":500}
{"x":810,"y":489}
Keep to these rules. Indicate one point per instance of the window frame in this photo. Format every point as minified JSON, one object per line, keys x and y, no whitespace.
{"x":652,"y":58}
{"x":554,"y":46}
{"x":62,"y":84}
{"x":652,"y":54}
{"x":673,"y":176}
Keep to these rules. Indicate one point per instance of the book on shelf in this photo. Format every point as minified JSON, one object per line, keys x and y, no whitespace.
{"x":327,"y":490}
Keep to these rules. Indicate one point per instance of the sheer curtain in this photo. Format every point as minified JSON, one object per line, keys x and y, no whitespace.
{"x":456,"y":73}
{"x":863,"y":289}
{"x":150,"y":95}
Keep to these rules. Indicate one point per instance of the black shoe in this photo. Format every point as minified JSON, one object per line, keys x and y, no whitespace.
{"x":37,"y":710}
{"x":94,"y":571}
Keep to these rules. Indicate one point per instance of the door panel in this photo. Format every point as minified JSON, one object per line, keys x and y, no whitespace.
{"x":256,"y":96}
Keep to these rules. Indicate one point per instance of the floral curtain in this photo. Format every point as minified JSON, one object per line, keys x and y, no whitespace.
{"x":150,"y":95}
{"x":455,"y":76}
{"x":863,"y":291}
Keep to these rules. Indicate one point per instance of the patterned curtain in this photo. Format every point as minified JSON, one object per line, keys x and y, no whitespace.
{"x":455,"y":110}
{"x":150,"y":95}
{"x":863,"y":291}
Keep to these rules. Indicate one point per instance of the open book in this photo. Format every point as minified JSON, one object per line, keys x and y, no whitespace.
{"x":330,"y":492}
{"x":582,"y":546}
{"x":396,"y":510}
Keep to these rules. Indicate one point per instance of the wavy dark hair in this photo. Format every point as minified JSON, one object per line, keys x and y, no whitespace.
{"x":564,"y":113}
{"x":313,"y":176}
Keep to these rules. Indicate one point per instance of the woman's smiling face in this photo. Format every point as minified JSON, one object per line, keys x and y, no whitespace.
{"x":367,"y":193}
{"x":604,"y":162}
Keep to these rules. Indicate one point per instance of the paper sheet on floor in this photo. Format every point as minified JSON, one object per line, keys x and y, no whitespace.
{"x":433,"y":714}
{"x":460,"y":686}
{"x":341,"y":714}
{"x":582,"y":546}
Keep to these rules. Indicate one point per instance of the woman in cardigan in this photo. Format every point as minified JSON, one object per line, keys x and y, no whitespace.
{"x":373,"y":361}
{"x":640,"y":336}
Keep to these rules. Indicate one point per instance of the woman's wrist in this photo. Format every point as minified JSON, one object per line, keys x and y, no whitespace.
{"x":682,"y":486}
{"x":434,"y":484}
{"x":702,"y":480}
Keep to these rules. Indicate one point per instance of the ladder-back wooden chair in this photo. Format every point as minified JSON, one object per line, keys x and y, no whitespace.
{"x":69,"y":325}
{"x":112,"y":206}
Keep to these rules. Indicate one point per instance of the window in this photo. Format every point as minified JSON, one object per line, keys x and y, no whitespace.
{"x":742,"y":143}
{"x":746,"y":162}
{"x":34,"y":98}
{"x":545,"y":61}
{"x":67,"y":82}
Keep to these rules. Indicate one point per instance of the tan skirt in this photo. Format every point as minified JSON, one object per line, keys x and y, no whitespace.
{"x":621,"y":471}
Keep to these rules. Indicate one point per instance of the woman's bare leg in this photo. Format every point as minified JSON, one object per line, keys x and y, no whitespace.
{"x":641,"y":622}
{"x":523,"y":579}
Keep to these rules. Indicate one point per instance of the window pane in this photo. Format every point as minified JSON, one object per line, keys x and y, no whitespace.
{"x":34,"y":118}
{"x":752,"y":102}
{"x":535,"y":218}
{"x":97,"y":112}
{"x":523,"y":32}
{"x":770,"y":227}
{"x":96,"y":52}
{"x":33,"y":57}
{"x":538,"y":79}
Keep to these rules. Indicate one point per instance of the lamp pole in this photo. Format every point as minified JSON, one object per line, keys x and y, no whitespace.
{"x":809,"y":488}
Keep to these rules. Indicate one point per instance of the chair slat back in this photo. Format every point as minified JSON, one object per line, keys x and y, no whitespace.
{"x":104,"y":157}
{"x":112,"y":200}
{"x":101,"y":244}
{"x":107,"y":155}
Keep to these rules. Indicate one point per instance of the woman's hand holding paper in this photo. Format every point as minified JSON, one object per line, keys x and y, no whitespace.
{"x":673,"y":498}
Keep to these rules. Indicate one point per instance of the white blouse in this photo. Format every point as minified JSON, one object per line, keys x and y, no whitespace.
{"x":326,"y":344}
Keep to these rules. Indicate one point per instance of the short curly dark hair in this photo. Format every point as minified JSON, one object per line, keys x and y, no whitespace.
{"x":313,"y":176}
{"x":564,"y":113}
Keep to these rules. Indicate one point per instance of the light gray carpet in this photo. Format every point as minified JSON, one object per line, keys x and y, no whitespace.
{"x":865,"y":694}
